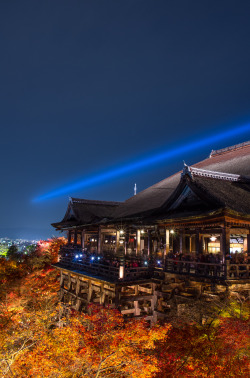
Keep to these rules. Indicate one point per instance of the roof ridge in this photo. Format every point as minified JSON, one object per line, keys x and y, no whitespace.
{"x":94,"y":202}
{"x":228,"y":149}
{"x":191,"y":171}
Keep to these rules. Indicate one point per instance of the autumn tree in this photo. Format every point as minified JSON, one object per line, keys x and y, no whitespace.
{"x":13,"y":253}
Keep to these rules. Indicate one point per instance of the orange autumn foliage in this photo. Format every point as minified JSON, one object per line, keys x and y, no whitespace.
{"x":36,"y":340}
{"x":95,"y":345}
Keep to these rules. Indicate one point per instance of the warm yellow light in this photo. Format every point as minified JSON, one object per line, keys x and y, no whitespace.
{"x":171,"y":231}
{"x":121,"y":232}
{"x":213,"y":238}
{"x":121,"y":272}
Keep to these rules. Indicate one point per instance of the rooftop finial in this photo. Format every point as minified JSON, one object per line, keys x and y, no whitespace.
{"x":135,"y":189}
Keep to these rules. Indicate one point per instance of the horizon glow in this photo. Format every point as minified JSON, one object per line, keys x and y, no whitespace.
{"x":149,"y":161}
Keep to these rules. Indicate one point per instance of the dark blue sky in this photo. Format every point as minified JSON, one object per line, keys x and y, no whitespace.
{"x":88,"y":85}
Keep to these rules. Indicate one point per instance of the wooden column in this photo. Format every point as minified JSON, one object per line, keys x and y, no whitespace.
{"x":201,"y":243}
{"x":181,"y":241}
{"x":198,"y":239}
{"x":126,"y":239}
{"x":99,"y":245}
{"x":83,"y":239}
{"x":225,"y":242}
{"x":117,"y":241}
{"x":248,"y":243}
{"x":138,"y":242}
{"x":149,"y":242}
{"x":75,"y":237}
{"x":190,"y":244}
{"x":69,"y":237}
{"x":167,"y":242}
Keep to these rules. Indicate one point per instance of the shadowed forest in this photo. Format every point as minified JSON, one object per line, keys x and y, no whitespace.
{"x":39,"y":337}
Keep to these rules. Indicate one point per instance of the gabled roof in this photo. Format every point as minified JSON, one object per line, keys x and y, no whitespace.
{"x":220,"y":181}
{"x":82,"y":212}
{"x":200,"y":191}
{"x":232,"y":160}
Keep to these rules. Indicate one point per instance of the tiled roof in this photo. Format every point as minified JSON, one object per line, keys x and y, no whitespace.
{"x":235,"y":160}
{"x":82,"y":211}
{"x":219,"y":176}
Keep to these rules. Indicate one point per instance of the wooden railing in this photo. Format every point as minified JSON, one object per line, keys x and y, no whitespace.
{"x":192,"y":268}
{"x":109,"y":271}
{"x":97,"y":269}
{"x":196,"y":268}
{"x":238,"y":271}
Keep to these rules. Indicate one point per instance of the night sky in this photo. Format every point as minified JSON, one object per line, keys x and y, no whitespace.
{"x":86,"y":86}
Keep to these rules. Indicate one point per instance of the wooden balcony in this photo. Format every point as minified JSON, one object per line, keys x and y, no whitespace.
{"x":106,"y":271}
{"x":211,"y":270}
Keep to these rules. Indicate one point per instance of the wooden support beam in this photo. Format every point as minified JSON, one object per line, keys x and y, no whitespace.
{"x":248,"y":243}
{"x":90,"y":292}
{"x":83,"y":239}
{"x":149,"y":242}
{"x":78,"y":285}
{"x":138,"y":242}
{"x":129,"y":298}
{"x":61,"y":279}
{"x":78,"y":304}
{"x":137,"y":308}
{"x":99,"y":245}
{"x":69,"y":281}
{"x":225,"y":242}
{"x":75,"y":237}
{"x":167,"y":245}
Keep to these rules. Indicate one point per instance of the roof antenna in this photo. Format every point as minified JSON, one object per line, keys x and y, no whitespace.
{"x":135,"y":189}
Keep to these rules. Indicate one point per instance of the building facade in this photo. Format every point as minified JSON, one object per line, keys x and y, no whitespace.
{"x":194,"y":225}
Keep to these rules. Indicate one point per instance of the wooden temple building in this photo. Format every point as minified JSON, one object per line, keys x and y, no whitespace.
{"x":184,"y":236}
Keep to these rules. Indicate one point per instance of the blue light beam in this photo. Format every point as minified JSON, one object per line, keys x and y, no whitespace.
{"x":151,"y":160}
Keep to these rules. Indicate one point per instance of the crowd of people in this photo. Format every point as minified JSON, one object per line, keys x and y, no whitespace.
{"x":208,"y":264}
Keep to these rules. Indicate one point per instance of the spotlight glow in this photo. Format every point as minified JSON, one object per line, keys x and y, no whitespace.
{"x":149,"y":161}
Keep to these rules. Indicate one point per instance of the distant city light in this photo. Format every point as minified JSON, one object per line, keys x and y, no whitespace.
{"x":139,"y":164}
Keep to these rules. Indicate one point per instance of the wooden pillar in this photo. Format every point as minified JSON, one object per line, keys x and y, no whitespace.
{"x":75,"y":237}
{"x":198,"y":242}
{"x":138,"y":242}
{"x":126,"y":243}
{"x":248,"y":243}
{"x":61,"y":279}
{"x":83,"y":239}
{"x":69,"y":281}
{"x":149,"y":242}
{"x":181,"y":241}
{"x":201,"y":243}
{"x":167,"y":242}
{"x":69,"y":236}
{"x":99,"y":245}
{"x":190,"y":244}
{"x":117,"y":241}
{"x":225,"y":242}
{"x":90,"y":292}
